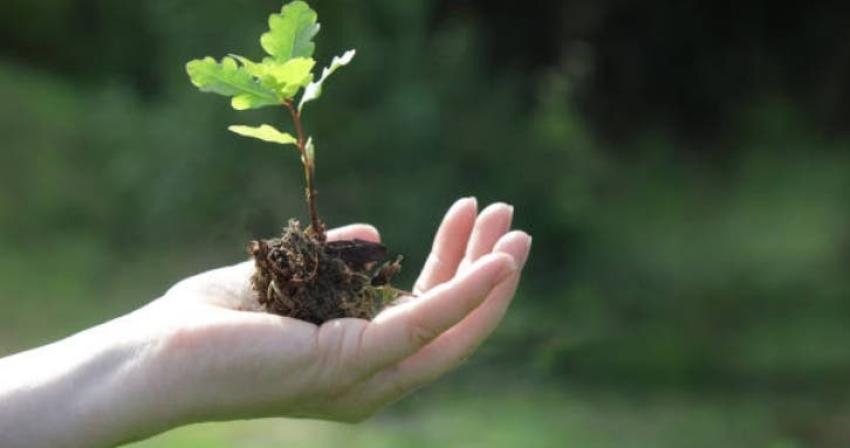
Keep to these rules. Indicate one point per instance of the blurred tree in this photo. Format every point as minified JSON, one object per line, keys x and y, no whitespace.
{"x":656,"y":263}
{"x":682,"y":66}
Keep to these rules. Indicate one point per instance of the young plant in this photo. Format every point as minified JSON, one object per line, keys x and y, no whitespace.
{"x":275,"y":81}
{"x":300,"y":274}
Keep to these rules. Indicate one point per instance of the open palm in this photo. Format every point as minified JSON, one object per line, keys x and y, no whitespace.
{"x":224,"y":359}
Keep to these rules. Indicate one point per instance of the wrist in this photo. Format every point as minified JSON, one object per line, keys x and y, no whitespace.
{"x":90,"y":389}
{"x":131,"y":399}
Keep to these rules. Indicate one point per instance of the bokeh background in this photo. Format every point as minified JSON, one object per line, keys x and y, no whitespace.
{"x":684,"y":168}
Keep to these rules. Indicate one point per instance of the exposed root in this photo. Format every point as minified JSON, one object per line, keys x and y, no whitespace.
{"x":300,"y":276}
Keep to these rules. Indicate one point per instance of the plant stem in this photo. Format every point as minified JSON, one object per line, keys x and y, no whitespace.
{"x":309,"y":172}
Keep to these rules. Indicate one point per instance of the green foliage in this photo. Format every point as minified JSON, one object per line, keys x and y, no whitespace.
{"x":277,"y":79}
{"x":266,"y":133}
{"x":285,"y":79}
{"x":291,"y":32}
{"x":229,"y":79}
{"x":252,"y":85}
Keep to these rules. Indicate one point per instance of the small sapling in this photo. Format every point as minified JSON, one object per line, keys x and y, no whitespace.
{"x":300,"y":274}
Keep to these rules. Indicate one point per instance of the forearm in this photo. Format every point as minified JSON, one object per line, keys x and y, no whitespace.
{"x":91,"y":389}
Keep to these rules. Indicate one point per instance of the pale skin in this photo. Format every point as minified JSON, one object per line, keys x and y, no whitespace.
{"x":198,"y":354}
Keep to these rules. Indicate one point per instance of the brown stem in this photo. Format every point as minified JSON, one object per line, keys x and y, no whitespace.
{"x":309,"y":172}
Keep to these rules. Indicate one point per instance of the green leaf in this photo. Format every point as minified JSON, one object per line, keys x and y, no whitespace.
{"x":265,"y":133}
{"x":229,"y":79}
{"x":285,"y":79}
{"x":291,"y":32}
{"x":314,"y":89}
{"x":256,"y":70}
{"x":291,"y":76}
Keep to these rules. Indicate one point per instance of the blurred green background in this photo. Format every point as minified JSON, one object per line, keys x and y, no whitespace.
{"x":684,"y":168}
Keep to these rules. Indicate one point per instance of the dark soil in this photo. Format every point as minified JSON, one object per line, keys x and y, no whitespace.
{"x":300,"y":276}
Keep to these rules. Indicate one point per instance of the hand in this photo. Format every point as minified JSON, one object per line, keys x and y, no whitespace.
{"x":231,"y":363}
{"x":227,"y":363}
{"x":203,"y":352}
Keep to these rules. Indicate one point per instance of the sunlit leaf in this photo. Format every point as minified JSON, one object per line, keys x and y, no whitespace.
{"x":291,"y":76}
{"x":314,"y":89}
{"x":285,"y":78}
{"x":229,"y":79}
{"x":265,"y":133}
{"x":256,"y":69}
{"x":291,"y":32}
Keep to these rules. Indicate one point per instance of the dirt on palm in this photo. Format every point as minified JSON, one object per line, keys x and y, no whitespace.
{"x":298,"y":275}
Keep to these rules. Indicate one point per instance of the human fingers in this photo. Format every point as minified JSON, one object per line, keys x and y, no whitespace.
{"x":400,"y":331}
{"x":449,"y":245}
{"x":452,"y":347}
{"x":493,"y":222}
